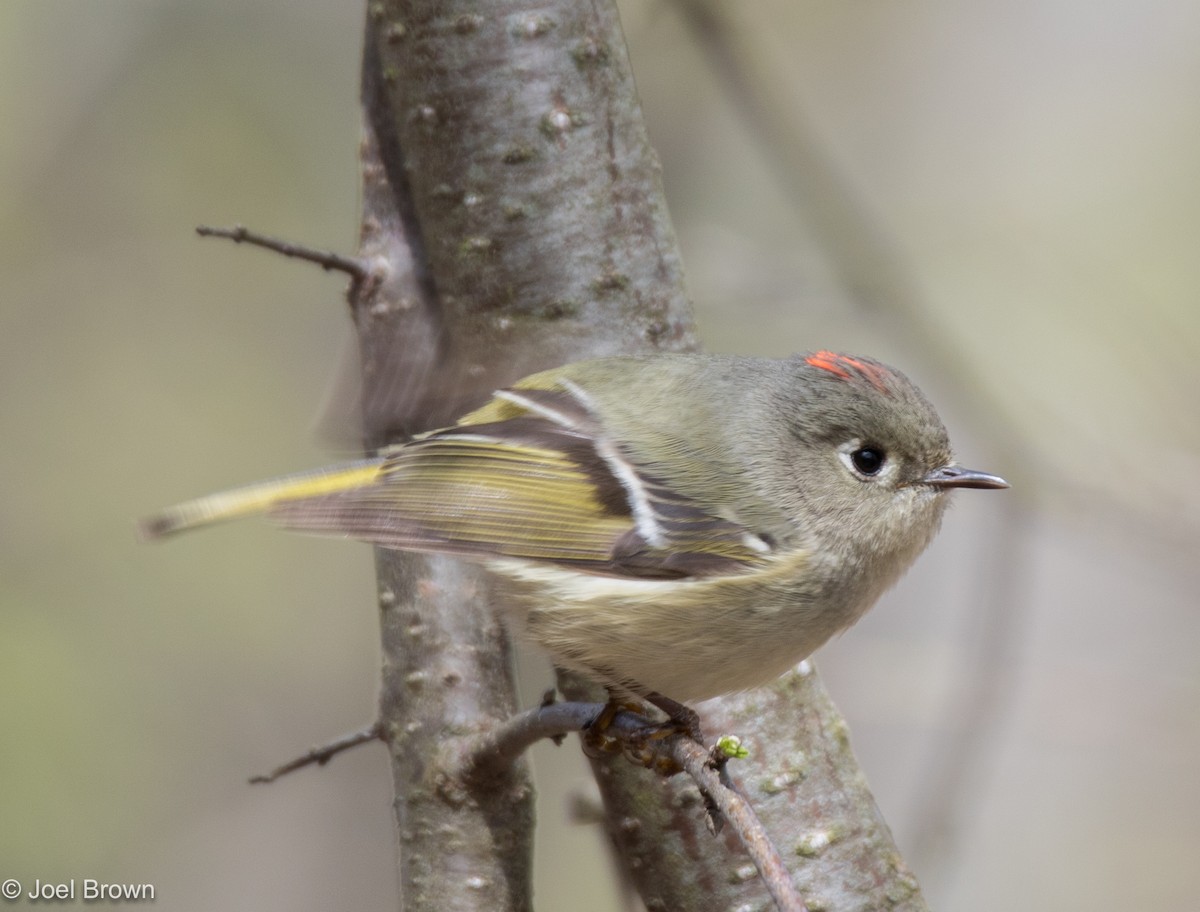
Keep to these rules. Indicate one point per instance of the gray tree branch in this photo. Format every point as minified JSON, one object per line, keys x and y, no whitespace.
{"x":512,"y":209}
{"x":513,"y":219}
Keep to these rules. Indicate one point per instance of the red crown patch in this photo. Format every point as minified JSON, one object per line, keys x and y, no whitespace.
{"x":845,"y":367}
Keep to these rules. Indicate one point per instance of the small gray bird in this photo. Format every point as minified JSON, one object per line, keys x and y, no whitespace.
{"x":677,"y":525}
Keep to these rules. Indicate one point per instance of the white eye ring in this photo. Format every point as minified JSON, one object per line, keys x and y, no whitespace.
{"x":865,"y":461}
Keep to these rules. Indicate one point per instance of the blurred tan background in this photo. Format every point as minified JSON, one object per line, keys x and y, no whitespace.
{"x":1026,"y":703}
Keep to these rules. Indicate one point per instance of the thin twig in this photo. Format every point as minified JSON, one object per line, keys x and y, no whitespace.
{"x":322,"y":755}
{"x":498,"y":747}
{"x":709,"y":773}
{"x":354,"y":267}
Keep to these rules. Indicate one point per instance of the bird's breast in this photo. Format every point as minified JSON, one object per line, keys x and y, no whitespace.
{"x":688,"y":639}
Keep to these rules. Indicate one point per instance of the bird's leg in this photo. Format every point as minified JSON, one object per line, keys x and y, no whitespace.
{"x":680,"y":719}
{"x":639,"y":745}
{"x":595,"y":737}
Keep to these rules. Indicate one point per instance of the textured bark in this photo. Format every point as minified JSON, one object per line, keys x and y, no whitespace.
{"x":807,"y":789}
{"x":813,"y":798}
{"x":513,"y":219}
{"x":509,"y":182}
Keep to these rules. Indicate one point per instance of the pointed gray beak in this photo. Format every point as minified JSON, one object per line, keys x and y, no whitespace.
{"x":952,"y":476}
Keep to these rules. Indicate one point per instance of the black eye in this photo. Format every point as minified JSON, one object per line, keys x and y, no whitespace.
{"x":868,"y":460}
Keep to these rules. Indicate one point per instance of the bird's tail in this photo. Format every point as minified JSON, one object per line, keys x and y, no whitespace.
{"x":260,"y":497}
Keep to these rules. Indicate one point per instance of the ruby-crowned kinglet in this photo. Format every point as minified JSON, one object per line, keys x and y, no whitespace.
{"x":673,"y":525}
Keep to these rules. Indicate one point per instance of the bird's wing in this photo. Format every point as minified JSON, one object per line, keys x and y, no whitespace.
{"x":532,"y":475}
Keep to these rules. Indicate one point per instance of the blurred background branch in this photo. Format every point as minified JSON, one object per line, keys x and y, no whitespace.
{"x":876,"y":279}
